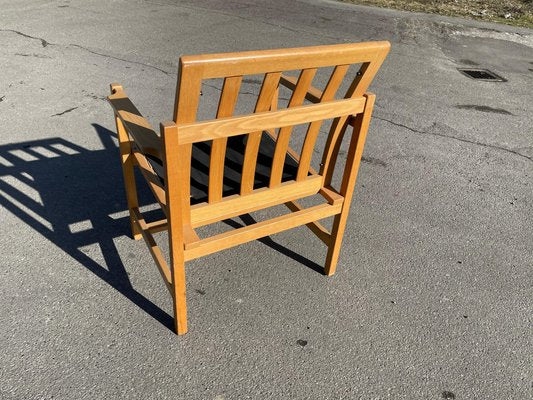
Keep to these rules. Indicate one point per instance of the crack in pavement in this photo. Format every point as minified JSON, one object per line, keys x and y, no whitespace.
{"x":248,"y":19}
{"x":220,"y":12}
{"x":490,"y":146}
{"x":122,"y":59}
{"x":32,"y":55}
{"x":64,"y":112}
{"x":44,"y":43}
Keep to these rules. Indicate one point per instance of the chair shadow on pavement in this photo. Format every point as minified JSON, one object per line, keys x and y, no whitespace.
{"x":76,"y":185}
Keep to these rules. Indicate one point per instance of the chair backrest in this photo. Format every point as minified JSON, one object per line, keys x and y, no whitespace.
{"x":232,"y":67}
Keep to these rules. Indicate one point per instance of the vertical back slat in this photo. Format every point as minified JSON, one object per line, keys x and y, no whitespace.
{"x":328,"y":94}
{"x":333,"y":144}
{"x":186,"y":107}
{"x":275,"y":100}
{"x":264,"y":102}
{"x":362,"y":79}
{"x":297,"y":98}
{"x":226,"y":106}
{"x":336,"y":133}
{"x":187,"y":94}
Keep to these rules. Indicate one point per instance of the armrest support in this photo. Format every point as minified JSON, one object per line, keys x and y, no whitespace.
{"x":144,"y":136}
{"x":352,"y":119}
{"x":313,"y":94}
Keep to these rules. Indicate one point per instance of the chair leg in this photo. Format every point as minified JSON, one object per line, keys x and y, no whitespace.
{"x":177,"y":161}
{"x":179,"y":296}
{"x":334,"y":248}
{"x":353,"y":159}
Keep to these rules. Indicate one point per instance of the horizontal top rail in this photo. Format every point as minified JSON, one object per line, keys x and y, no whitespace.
{"x":257,"y":62}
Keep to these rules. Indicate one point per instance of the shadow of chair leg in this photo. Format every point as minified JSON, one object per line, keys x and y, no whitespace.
{"x":117,"y":281}
{"x":70,"y":243}
{"x":247,"y":219}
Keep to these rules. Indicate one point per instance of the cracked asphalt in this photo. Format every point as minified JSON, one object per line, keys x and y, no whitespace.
{"x":433,"y":294}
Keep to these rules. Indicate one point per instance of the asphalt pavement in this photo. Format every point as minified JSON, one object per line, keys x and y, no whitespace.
{"x":433,"y":296}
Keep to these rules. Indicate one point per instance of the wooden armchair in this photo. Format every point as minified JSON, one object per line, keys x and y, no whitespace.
{"x":264,"y":171}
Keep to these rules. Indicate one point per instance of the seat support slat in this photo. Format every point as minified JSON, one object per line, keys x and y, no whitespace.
{"x":232,"y":206}
{"x":189,"y":234}
{"x":157,"y":226}
{"x":316,"y":227}
{"x":251,"y":232}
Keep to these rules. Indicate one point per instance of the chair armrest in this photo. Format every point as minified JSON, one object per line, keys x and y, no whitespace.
{"x":313,"y":94}
{"x":144,"y":136}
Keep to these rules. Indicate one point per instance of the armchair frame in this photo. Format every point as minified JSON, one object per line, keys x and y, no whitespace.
{"x":138,"y":142}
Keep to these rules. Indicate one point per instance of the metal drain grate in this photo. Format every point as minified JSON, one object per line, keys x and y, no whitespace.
{"x":481,"y":74}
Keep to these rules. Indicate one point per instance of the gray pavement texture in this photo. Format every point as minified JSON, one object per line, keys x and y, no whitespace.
{"x":433,"y":294}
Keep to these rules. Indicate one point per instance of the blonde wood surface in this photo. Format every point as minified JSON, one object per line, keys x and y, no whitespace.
{"x":186,"y":106}
{"x":313,"y":94}
{"x":333,"y":144}
{"x":138,"y":140}
{"x":157,"y":226}
{"x":228,"y":99}
{"x":176,"y":173}
{"x":127,"y":163}
{"x":314,"y":127}
{"x":282,"y":142}
{"x":232,"y":206}
{"x":269,"y":91}
{"x":260,"y":62}
{"x":135,"y":124}
{"x":349,"y":178}
{"x":154,"y":249}
{"x":152,"y":179}
{"x":233,"y":126}
{"x":189,"y":234}
{"x":290,"y":151}
{"x":331,"y":195}
{"x":260,"y":229}
{"x":275,"y":100}
{"x":316,"y":227}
